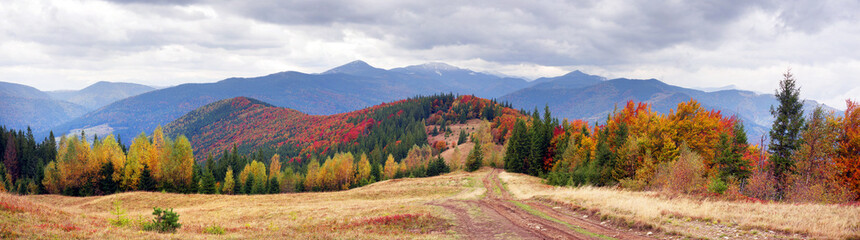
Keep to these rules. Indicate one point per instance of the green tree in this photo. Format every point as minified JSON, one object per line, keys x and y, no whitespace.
{"x":146,"y":182}
{"x":207,"y":185}
{"x":785,"y":132}
{"x":730,"y":152}
{"x":106,"y":183}
{"x":462,"y":138}
{"x":518,"y":148}
{"x":476,"y":156}
{"x":248,"y":188}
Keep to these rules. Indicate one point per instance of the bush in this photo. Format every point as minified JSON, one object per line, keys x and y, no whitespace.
{"x":717,"y":185}
{"x":437,"y":167}
{"x":760,"y":185}
{"x":683,"y":175}
{"x":165,"y":221}
{"x":217,"y":230}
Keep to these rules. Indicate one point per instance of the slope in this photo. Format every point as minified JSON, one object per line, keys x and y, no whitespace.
{"x":252,"y":125}
{"x":24,"y":106}
{"x":100,"y":94}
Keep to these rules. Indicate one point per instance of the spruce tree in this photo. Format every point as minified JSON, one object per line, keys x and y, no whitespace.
{"x":248,"y":188}
{"x":274,"y":187}
{"x":476,"y":156}
{"x":146,"y":182}
{"x":518,"y":148}
{"x":785,"y":132}
{"x":462,"y":138}
{"x":106,"y":183}
{"x":207,"y":185}
{"x":729,"y":160}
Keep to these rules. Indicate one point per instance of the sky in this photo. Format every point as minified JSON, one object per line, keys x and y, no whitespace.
{"x":70,"y":44}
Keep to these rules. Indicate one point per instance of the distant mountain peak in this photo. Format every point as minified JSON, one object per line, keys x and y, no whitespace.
{"x":438,"y":66}
{"x":354,"y":67}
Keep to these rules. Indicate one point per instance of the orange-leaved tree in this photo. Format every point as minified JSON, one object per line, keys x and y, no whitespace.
{"x":848,"y":147}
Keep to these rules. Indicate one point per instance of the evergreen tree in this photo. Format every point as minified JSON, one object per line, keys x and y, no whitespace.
{"x":785,"y":132}
{"x":146,"y":183}
{"x":476,"y":156}
{"x":462,"y":138}
{"x":106,"y":183}
{"x":518,"y":148}
{"x":273,"y":186}
{"x":207,"y":185}
{"x":602,"y":160}
{"x":730,"y":161}
{"x":248,"y":188}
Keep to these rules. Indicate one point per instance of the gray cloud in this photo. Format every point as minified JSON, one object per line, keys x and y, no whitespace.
{"x":207,"y":40}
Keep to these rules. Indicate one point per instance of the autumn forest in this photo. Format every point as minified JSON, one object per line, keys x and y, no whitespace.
{"x":244,"y":146}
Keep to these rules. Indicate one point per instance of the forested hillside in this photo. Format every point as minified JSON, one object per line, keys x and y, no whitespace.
{"x":390,"y":128}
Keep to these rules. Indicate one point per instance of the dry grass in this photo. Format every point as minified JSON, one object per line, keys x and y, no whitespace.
{"x":670,"y":214}
{"x":394,"y":209}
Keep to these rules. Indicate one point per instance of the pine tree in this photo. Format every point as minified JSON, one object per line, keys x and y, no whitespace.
{"x":207,"y":185}
{"x":602,"y":160}
{"x":106,"y":183}
{"x":462,"y":138}
{"x":273,"y":186}
{"x":248,"y":188}
{"x":729,"y":160}
{"x":518,"y":148}
{"x":476,"y":156}
{"x":146,"y":182}
{"x":785,"y":132}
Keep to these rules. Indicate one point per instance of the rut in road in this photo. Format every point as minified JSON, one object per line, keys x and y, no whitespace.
{"x":503,"y":217}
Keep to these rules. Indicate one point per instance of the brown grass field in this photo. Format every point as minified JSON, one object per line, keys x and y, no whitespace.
{"x":410,"y":209}
{"x":699,"y":218}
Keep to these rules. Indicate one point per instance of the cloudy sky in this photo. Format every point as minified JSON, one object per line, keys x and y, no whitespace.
{"x":69,"y":44}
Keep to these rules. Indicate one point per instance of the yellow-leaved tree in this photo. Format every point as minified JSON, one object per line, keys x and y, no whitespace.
{"x":138,"y":156}
{"x":177,"y":170}
{"x":229,"y":182}
{"x":362,"y":170}
{"x":108,"y":150}
{"x":391,"y":167}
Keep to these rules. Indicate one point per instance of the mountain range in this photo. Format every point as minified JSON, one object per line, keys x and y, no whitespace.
{"x":24,"y":106}
{"x":100,"y":94}
{"x":357,"y":85}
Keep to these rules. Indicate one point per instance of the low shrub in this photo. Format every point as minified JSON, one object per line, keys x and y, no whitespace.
{"x":217,"y":230}
{"x":119,"y":220}
{"x":165,"y":221}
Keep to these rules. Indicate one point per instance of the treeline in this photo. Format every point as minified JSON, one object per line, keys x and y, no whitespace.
{"x":339,"y":172}
{"x":155,"y":163}
{"x":23,"y":160}
{"x":696,"y":151}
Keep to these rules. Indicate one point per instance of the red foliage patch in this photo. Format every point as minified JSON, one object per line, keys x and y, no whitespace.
{"x":64,"y":227}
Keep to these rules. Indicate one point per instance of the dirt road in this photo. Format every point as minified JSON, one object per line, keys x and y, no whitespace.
{"x":499,"y":216}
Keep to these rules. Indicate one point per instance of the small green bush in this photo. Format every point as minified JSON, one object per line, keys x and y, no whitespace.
{"x":120,"y":219}
{"x":717,"y":185}
{"x":165,"y":221}
{"x":217,"y":230}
